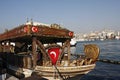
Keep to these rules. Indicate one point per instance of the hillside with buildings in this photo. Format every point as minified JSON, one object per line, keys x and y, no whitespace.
{"x":98,"y":35}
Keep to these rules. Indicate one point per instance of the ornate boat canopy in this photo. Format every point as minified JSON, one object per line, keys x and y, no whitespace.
{"x":53,"y":32}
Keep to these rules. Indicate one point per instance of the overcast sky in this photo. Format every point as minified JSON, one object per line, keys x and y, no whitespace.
{"x":80,"y":16}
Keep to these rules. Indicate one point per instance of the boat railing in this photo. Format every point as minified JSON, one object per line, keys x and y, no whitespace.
{"x":78,"y":62}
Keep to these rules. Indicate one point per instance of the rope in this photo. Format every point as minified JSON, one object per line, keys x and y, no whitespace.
{"x":109,"y":61}
{"x":101,"y":60}
{"x":59,"y":73}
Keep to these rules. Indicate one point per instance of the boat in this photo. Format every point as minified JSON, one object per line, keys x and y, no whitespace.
{"x":44,"y":50}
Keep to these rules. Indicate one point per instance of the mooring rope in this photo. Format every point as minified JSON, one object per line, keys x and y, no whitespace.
{"x":101,"y":60}
{"x":109,"y":61}
{"x":59,"y":73}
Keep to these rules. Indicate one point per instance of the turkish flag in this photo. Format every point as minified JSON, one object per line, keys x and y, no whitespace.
{"x":54,"y":54}
{"x":34,"y":29}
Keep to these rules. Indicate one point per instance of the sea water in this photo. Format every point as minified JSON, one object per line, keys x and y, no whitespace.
{"x":109,"y":49}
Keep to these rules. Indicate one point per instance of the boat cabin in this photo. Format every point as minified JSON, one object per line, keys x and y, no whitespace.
{"x":29,"y":44}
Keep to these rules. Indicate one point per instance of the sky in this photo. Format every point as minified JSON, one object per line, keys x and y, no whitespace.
{"x":80,"y":16}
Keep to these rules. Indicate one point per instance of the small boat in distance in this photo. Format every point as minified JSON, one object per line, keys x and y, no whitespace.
{"x":44,"y":50}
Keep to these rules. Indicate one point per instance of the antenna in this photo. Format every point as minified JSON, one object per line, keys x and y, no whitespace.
{"x":31,"y":21}
{"x":27,"y":19}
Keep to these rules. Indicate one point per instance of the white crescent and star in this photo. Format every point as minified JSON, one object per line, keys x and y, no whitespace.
{"x":34,"y":29}
{"x":54,"y":53}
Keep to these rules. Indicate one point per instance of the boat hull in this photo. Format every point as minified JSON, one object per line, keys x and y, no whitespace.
{"x":64,"y":72}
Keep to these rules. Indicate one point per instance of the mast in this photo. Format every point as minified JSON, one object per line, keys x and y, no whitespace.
{"x":69,"y":55}
{"x":34,"y":53}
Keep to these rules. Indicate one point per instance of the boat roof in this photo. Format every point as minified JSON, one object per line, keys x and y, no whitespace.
{"x":44,"y":32}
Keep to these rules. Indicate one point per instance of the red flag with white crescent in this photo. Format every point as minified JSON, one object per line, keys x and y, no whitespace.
{"x":54,"y":54}
{"x":34,"y":29}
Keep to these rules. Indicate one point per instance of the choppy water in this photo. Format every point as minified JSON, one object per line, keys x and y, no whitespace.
{"x":109,"y":49}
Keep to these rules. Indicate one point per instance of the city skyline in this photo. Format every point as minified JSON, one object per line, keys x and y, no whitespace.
{"x":80,"y":16}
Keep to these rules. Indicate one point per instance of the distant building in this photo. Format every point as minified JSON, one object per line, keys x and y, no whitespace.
{"x":98,"y":35}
